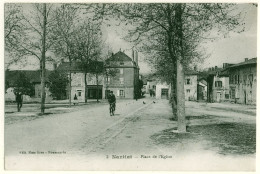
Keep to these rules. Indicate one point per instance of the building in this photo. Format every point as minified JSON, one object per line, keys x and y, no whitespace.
{"x":217,"y":85}
{"x":162,"y":91}
{"x":202,"y":89}
{"x":94,"y":81}
{"x":190,"y":85}
{"x":243,"y":80}
{"x":34,"y":77}
{"x":125,"y":78}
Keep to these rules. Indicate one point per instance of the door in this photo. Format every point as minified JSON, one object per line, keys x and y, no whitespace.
{"x":164,"y":93}
{"x":218,"y":96}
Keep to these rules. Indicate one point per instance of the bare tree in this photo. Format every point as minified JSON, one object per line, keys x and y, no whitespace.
{"x":180,"y":27}
{"x":34,"y":40}
{"x":88,"y":42}
{"x":66,"y":18}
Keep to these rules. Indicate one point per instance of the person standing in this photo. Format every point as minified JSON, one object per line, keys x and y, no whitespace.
{"x":112,"y":103}
{"x":19,"y":100}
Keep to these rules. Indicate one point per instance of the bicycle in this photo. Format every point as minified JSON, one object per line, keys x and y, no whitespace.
{"x":112,"y":108}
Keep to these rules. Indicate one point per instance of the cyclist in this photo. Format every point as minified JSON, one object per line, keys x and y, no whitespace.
{"x":112,"y":103}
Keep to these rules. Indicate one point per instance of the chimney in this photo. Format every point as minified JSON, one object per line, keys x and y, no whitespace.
{"x":112,"y":54}
{"x":246,"y":59}
{"x":136,"y":58}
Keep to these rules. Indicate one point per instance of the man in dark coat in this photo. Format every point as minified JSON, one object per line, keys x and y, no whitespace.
{"x":112,"y":102}
{"x":19,"y":100}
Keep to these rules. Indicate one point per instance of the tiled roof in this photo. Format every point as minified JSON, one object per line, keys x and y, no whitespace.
{"x":248,"y":62}
{"x":119,"y":56}
{"x":32,"y":75}
{"x":78,"y":66}
{"x":190,"y":72}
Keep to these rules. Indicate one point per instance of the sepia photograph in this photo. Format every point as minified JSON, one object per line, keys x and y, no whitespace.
{"x":130,"y":86}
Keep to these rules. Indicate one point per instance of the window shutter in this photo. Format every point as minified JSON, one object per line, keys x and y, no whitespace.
{"x":118,"y":93}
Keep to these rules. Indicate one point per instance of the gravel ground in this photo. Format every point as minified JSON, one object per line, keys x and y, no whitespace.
{"x":139,"y":137}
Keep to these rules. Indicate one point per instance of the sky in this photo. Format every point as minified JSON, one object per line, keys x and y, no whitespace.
{"x":232,"y":49}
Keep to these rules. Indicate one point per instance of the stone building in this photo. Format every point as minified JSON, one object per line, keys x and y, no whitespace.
{"x":124,"y":81}
{"x":243,"y":80}
{"x":190,"y":85}
{"x":95,"y":82}
{"x":217,"y":85}
{"x":34,"y":77}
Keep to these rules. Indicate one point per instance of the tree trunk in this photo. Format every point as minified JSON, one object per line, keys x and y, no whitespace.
{"x":173,"y":100}
{"x":43,"y":94}
{"x":70,"y":86}
{"x":86,"y":87}
{"x":180,"y":98}
{"x":180,"y":72}
{"x":97,"y":87}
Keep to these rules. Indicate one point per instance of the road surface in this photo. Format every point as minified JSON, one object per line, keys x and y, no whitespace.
{"x":139,"y":137}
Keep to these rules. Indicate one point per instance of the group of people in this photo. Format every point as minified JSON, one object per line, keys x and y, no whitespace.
{"x":111,"y":101}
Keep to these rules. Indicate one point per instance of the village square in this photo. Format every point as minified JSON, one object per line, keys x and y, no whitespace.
{"x":173,"y":103}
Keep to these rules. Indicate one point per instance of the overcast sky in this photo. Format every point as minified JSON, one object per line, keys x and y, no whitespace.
{"x":232,"y":49}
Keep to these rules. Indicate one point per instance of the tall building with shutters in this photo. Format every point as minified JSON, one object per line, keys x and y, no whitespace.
{"x":124,"y":79}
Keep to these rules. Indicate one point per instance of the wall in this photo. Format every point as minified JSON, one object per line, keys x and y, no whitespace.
{"x":244,"y":90}
{"x":190,"y":89}
{"x":159,"y":88}
{"x":220,"y":93}
{"x":78,"y":84}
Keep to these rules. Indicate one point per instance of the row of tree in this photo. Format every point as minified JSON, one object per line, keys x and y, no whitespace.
{"x":169,"y":32}
{"x":52,"y":31}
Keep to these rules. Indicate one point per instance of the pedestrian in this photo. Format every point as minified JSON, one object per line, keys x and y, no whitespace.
{"x":112,"y":103}
{"x":19,"y":100}
{"x":75,"y":100}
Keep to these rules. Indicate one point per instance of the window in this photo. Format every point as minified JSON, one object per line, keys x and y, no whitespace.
{"x":79,"y":93}
{"x":121,"y":71}
{"x":108,"y":80}
{"x":226,"y":96}
{"x":188,"y":82}
{"x":232,"y":93}
{"x":188,"y":90}
{"x":122,"y":93}
{"x":121,"y":63}
{"x":218,"y":83}
{"x":250,"y":77}
{"x":244,"y":79}
{"x":121,"y":81}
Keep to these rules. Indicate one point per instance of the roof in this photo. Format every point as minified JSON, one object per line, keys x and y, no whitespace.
{"x":190,"y":72}
{"x":248,"y":62}
{"x":119,"y":56}
{"x":79,"y":66}
{"x":33,"y":75}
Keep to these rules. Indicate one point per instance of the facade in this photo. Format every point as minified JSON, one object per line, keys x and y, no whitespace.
{"x":243,"y":79}
{"x":151,"y":87}
{"x":34,"y":77}
{"x":95,"y":81}
{"x":124,"y":81}
{"x":202,"y":89}
{"x":217,"y":85}
{"x":162,"y":91}
{"x":190,"y":85}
